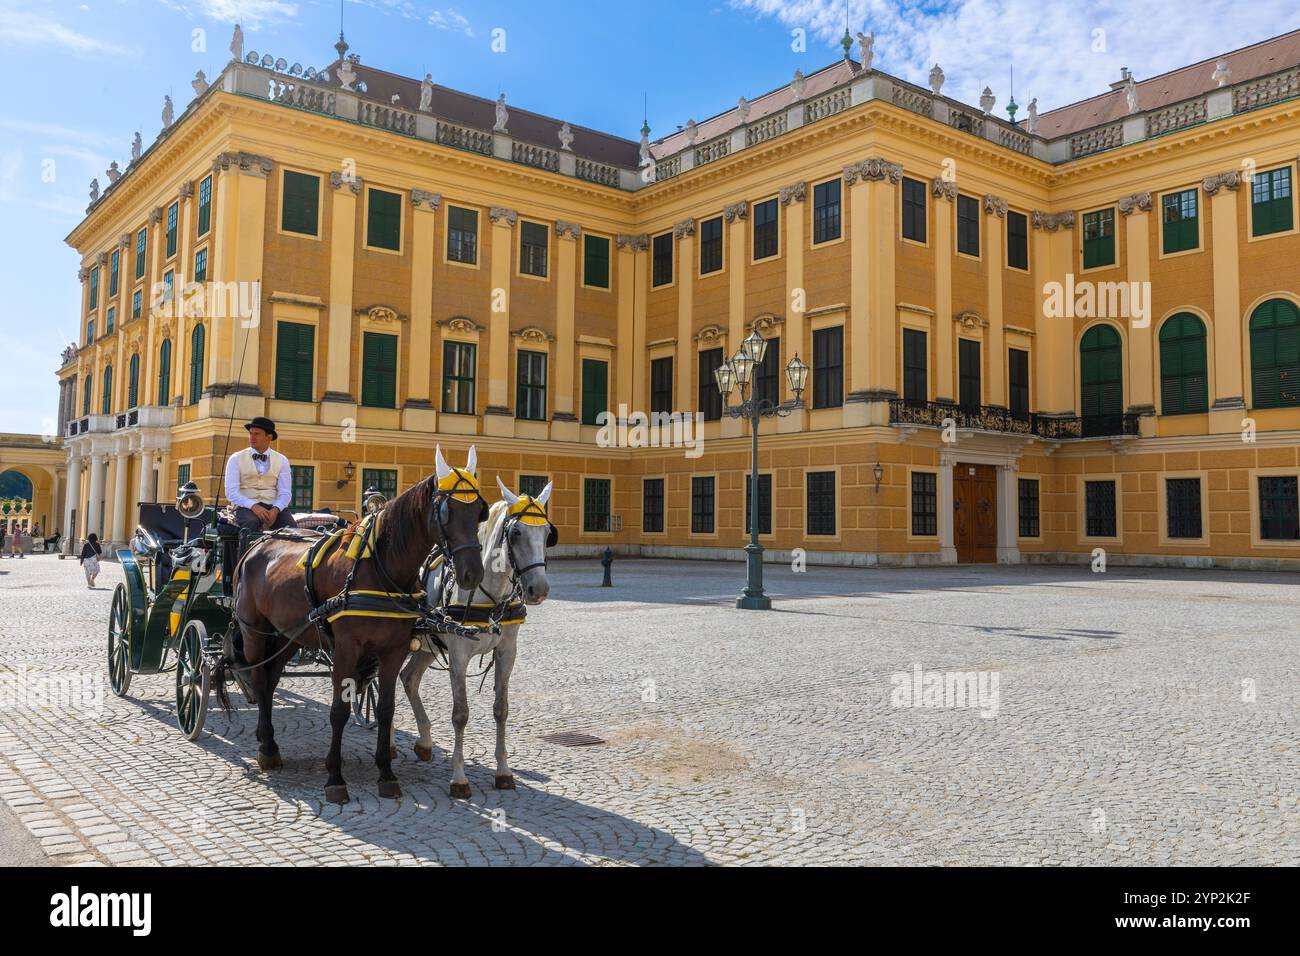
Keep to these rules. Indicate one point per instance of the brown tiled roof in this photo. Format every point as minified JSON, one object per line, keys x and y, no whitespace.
{"x":1248,"y":63}
{"x":479,"y":113}
{"x":815,"y":84}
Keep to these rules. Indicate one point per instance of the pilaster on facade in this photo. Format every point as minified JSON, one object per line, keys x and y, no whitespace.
{"x":687,"y":364}
{"x":1229,"y":386}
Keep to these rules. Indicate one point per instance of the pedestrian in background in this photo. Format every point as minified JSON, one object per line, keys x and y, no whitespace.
{"x":16,"y":543}
{"x":90,"y":553}
{"x":2,"y":541}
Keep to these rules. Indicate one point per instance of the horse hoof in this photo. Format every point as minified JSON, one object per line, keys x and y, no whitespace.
{"x":390,"y":789}
{"x":505,"y":783}
{"x":337,"y":794}
{"x":460,"y":791}
{"x":268,"y":761}
{"x":423,"y":752}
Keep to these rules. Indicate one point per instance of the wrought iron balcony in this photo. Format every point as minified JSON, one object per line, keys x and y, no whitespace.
{"x":991,"y":418}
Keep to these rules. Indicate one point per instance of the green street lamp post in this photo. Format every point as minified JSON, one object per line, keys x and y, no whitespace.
{"x":738,"y":372}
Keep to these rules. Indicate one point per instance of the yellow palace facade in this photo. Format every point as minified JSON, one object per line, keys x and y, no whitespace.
{"x":1026,"y":341}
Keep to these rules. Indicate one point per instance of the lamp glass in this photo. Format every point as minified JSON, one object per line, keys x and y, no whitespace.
{"x":756,"y":347}
{"x":796,"y":373}
{"x":743,"y":365}
{"x":725,"y":376}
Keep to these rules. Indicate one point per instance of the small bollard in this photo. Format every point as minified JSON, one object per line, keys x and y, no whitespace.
{"x":608,"y":562}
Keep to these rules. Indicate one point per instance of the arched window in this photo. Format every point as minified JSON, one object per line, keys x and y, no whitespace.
{"x":1275,"y":354}
{"x":1184,"y":387}
{"x":196,"y":365}
{"x":1101,"y":380}
{"x":85,"y":400}
{"x":106,"y":404}
{"x":133,"y":382}
{"x":165,"y":373}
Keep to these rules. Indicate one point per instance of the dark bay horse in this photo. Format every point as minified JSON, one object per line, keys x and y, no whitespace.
{"x":271,"y":605}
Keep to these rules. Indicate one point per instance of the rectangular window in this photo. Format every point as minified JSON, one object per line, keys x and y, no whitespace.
{"x":141,"y":240}
{"x":1099,"y":238}
{"x":94,"y":289}
{"x":1179,"y":214}
{"x":661,"y":384}
{"x":702,"y":505}
{"x":109,"y":320}
{"x":90,"y":334}
{"x":114,"y":262}
{"x":1029,"y":524}
{"x":304,"y":488}
{"x":169,"y":285}
{"x":595,"y":261}
{"x":1017,"y":240}
{"x":711,"y":245}
{"x":821,"y":502}
{"x":915,"y":384}
{"x":1279,"y":509}
{"x":767,"y":375}
{"x":595,"y":504}
{"x":462,"y":235}
{"x":1183,"y":507}
{"x":913,"y":210}
{"x":136,"y":303}
{"x":1099,"y":505}
{"x":295,"y":350}
{"x":458,"y":367}
{"x":532,"y":485}
{"x":969,"y":373}
{"x":173,"y":213}
{"x":710,"y":399}
{"x":767,"y":229}
{"x":384,"y":480}
{"x":826,"y":211}
{"x":595,"y":390}
{"x":652,"y":505}
{"x":1018,"y":380}
{"x":764,"y":503}
{"x":530,"y":390}
{"x":533,"y":245}
{"x":379,"y":370}
{"x":828,"y":367}
{"x":968,"y":225}
{"x":182,"y":476}
{"x":663,"y":259}
{"x":925,"y":503}
{"x":300,"y":210}
{"x":205,"y":206}
{"x":1270,"y":202}
{"x":384,"y":220}
{"x":201,"y":266}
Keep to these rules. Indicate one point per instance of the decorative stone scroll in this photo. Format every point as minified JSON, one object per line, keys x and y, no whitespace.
{"x":355,"y":183}
{"x":422,"y":197}
{"x":995,"y":206}
{"x":501,"y":216}
{"x":187,"y":189}
{"x":1052,"y":221}
{"x":381,"y":313}
{"x":942,"y":188}
{"x":739,"y":210}
{"x":1138,"y":202}
{"x":874,"y":170}
{"x":795,"y":192}
{"x":710,"y":334}
{"x":1231,"y":180}
{"x":533,"y":335}
{"x":244,"y":162}
{"x":155,"y":215}
{"x":638,"y":242}
{"x":684,"y":228}
{"x":568,"y":230}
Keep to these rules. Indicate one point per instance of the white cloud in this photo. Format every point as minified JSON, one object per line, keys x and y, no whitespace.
{"x":403,"y":8}
{"x":1049,"y":42}
{"x":449,"y":19}
{"x":252,"y":14}
{"x":23,"y":28}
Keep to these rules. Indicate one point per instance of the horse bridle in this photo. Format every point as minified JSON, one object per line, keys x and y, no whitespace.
{"x":440,"y":498}
{"x":531,"y":510}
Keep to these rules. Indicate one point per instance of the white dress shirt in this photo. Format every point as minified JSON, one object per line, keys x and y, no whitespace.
{"x":283,"y":483}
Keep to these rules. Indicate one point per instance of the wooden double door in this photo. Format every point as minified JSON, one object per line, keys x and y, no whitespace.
{"x":975,"y":513}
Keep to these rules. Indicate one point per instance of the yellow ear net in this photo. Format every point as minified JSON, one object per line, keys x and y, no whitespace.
{"x":529,"y":511}
{"x":462,"y":485}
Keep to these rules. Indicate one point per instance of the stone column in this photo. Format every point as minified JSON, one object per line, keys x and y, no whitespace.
{"x":144,"y":492}
{"x":945,"y":195}
{"x":1141,"y":369}
{"x":94,"y":510}
{"x":71,"y":495}
{"x":734,"y":217}
{"x":120,"y":497}
{"x":634,"y":370}
{"x":1054,"y":356}
{"x":418,"y":413}
{"x":1228,"y":404}
{"x":995,"y":360}
{"x":339,"y":402}
{"x":568,"y":235}
{"x":792,"y":200}
{"x":947,"y":543}
{"x":684,"y":234}
{"x":503,"y":235}
{"x":1008,"y":499}
{"x":873,"y":317}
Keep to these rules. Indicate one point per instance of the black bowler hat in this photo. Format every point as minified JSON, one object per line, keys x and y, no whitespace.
{"x":265,"y":424}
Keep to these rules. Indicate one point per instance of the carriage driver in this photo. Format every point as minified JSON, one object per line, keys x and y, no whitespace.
{"x":258,"y":481}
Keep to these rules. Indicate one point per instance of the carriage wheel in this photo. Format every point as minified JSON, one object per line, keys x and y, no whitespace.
{"x":119,"y":643}
{"x":365,"y":705}
{"x":193,"y":678}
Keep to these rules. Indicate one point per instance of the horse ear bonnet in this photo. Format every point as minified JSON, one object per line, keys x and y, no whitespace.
{"x":553,"y":537}
{"x":482,"y":511}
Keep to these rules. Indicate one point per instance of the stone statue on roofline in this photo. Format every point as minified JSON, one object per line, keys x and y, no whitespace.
{"x":136,"y":148}
{"x":1131,"y":94}
{"x":114,"y":174}
{"x":1222,"y":75}
{"x":566,"y":138}
{"x":936,"y":79}
{"x":692,"y":131}
{"x":237,"y":43}
{"x":503,"y":115}
{"x":168,"y":113}
{"x":426,"y":93}
{"x":742,"y":110}
{"x":347,"y":75}
{"x":1031,"y":116}
{"x":200,"y":83}
{"x":867,"y":44}
{"x":646,"y":159}
{"x":94,"y":190}
{"x":796,"y":85}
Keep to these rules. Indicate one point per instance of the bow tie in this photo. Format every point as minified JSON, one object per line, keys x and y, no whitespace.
{"x":259,"y":456}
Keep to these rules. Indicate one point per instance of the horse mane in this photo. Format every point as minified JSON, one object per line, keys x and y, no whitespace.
{"x":406,"y":517}
{"x":489,"y":530}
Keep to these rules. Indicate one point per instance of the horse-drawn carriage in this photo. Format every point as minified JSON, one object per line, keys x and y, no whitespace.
{"x":174,"y":611}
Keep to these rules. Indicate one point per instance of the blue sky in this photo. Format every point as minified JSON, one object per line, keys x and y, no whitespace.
{"x":81,"y":77}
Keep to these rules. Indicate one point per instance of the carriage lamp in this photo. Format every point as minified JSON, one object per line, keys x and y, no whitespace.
{"x":348,"y":471}
{"x":188,"y":500}
{"x":738,"y":371}
{"x":878,"y":473}
{"x":373,"y":500}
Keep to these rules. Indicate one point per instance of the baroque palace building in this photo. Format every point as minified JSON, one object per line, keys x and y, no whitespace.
{"x":1027,"y":340}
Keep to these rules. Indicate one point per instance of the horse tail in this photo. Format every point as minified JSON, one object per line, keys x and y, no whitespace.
{"x":219,"y":685}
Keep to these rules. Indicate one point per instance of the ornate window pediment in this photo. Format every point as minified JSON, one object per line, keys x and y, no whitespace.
{"x":711,"y":335}
{"x":462,"y":325}
{"x":381,"y":313}
{"x":767,"y":324}
{"x":533,"y":335}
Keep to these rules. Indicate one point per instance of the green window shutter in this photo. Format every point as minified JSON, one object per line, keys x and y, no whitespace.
{"x":1099,"y":238}
{"x":294,"y":361}
{"x":300,"y":204}
{"x":1275,"y":354}
{"x":1101,"y":372}
{"x":595,"y":261}
{"x":1184,"y":385}
{"x":379,"y":370}
{"x":384,"y":220}
{"x":595,"y":390}
{"x":196,"y":365}
{"x":106,"y":405}
{"x":173,"y":212}
{"x":165,"y":373}
{"x":205,"y":205}
{"x":133,"y":382}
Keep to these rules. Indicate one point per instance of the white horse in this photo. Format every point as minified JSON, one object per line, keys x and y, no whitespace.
{"x":514,"y":538}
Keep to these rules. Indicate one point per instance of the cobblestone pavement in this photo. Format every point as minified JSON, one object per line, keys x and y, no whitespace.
{"x":1142,"y":717}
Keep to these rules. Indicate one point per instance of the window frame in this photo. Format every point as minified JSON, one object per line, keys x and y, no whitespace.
{"x":1165,"y":206}
{"x":453,"y":231}
{"x":309,"y":363}
{"x":584,"y":363}
{"x":464,"y":382}
{"x":911,"y":370}
{"x":171,"y":237}
{"x":285,"y":173}
{"x":821,"y":473}
{"x":820,"y":369}
{"x":368,"y":238}
{"x":1022,"y":237}
{"x":1086,"y":519}
{"x":297,"y":484}
{"x":588,"y":482}
{"x":656,"y":393}
{"x":369,"y":336}
{"x":712,"y":246}
{"x":775,"y":225}
{"x":665,"y":239}
{"x":662,"y":497}
{"x":1252,"y":234}
{"x":961,"y":200}
{"x":1103,"y":217}
{"x":526,"y":392}
{"x":525,"y":226}
{"x":587,"y":239}
{"x":1257,"y":479}
{"x":698,"y":495}
{"x":838,"y":218}
{"x":708,"y":399}
{"x":928,"y":498}
{"x":919,"y":211}
{"x":1023,"y":521}
{"x":203,"y":214}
